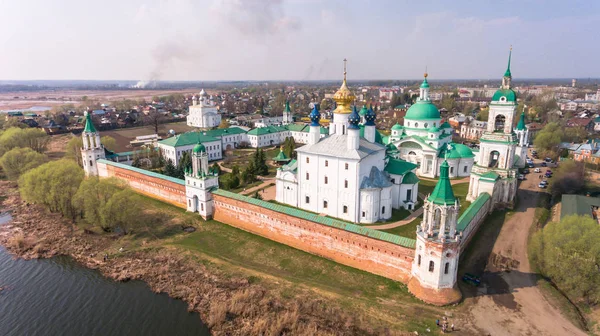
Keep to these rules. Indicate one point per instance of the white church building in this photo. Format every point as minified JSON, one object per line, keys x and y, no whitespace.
{"x":423,"y":140}
{"x":344,"y":175}
{"x":203,"y":113}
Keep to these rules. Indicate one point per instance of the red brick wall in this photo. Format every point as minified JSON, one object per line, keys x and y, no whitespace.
{"x":368,"y":254}
{"x":157,"y":188}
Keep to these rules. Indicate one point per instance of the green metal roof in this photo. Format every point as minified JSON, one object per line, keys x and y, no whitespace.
{"x":507,"y":72}
{"x":410,"y":178}
{"x":142,"y":171}
{"x":425,"y":84}
{"x":89,"y":125}
{"x":335,"y":223}
{"x":219,"y":132}
{"x":186,"y":139}
{"x":399,"y":166}
{"x":267,"y":130}
{"x":397,"y":127}
{"x":281,"y":157}
{"x":433,"y":129}
{"x":287,"y":107}
{"x":423,"y":109}
{"x":521,"y":124}
{"x":458,"y":151}
{"x":472,"y":211}
{"x":443,"y":194}
{"x":446,"y":125}
{"x":578,"y":205}
{"x":493,"y":176}
{"x":510,"y":95}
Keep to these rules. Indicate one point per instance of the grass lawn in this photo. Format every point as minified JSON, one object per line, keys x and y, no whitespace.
{"x":285,"y":270}
{"x":409,"y":230}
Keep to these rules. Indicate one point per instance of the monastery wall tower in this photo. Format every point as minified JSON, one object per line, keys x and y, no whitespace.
{"x":199,"y":183}
{"x":92,"y":149}
{"x":435,"y":266}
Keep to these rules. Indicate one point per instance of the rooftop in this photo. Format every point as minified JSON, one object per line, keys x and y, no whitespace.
{"x":336,"y":145}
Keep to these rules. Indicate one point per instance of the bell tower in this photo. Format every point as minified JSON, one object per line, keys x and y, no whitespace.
{"x":92,"y":149}
{"x":437,"y":252}
{"x":496,"y":168}
{"x":199,"y":183}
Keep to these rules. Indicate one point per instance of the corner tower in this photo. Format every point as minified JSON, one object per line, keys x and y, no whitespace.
{"x":287,"y":114}
{"x":92,"y":149}
{"x":199,"y":183}
{"x":435,"y":266}
{"x":496,"y":170}
{"x":523,"y":140}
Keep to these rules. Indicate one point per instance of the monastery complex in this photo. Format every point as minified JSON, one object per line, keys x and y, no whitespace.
{"x":348,"y":175}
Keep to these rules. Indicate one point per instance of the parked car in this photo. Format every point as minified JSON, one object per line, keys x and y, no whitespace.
{"x":521,"y":177}
{"x":542,"y":185}
{"x":530,"y":165}
{"x":544,"y":182}
{"x":537,"y":170}
{"x":525,"y":171}
{"x":549,"y":160}
{"x":544,"y":164}
{"x":471,"y":279}
{"x":534,"y":152}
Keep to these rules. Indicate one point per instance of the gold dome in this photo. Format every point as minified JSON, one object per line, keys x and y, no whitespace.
{"x":344,"y":97}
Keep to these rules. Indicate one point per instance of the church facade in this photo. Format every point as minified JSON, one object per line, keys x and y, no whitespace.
{"x":425,"y":141}
{"x":203,"y":113}
{"x":346,"y":175}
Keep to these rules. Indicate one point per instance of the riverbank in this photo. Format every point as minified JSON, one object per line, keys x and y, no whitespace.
{"x":232,"y":295}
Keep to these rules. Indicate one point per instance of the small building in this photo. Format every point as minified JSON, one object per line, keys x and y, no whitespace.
{"x":267,"y":136}
{"x":173,"y":148}
{"x":579,"y":205}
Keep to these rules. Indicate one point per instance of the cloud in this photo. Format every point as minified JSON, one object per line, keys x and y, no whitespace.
{"x":140,"y":14}
{"x":255,"y":18}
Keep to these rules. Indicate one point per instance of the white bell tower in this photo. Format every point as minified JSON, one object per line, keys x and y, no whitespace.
{"x":199,"y":183}
{"x":92,"y":149}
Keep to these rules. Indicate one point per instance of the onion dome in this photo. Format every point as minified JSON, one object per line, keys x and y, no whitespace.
{"x":397,"y":127}
{"x":354,"y":119}
{"x":315,"y":116}
{"x":425,"y":84}
{"x":363,"y":111}
{"x":344,"y":97}
{"x":199,"y":148}
{"x":455,"y":151}
{"x":423,"y":109}
{"x":370,"y":118}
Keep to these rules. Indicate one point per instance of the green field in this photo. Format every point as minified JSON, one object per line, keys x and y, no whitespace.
{"x":290,"y":271}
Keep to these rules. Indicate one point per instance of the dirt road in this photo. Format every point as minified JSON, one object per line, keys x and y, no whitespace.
{"x":509,"y":302}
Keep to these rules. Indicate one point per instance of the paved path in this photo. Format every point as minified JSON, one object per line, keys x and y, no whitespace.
{"x":250,"y":192}
{"x":509,"y":302}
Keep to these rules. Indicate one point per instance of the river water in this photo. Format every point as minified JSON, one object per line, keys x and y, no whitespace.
{"x":57,"y":296}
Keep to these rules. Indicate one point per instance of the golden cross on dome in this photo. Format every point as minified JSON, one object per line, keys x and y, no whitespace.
{"x":345,"y":60}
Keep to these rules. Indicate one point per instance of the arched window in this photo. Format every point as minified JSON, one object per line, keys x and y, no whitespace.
{"x":345,"y":183}
{"x":324,"y":204}
{"x":307,"y":176}
{"x":346,"y":166}
{"x":306,"y":199}
{"x":419,"y":260}
{"x":345,"y":209}
{"x":426,"y":124}
{"x":326,"y":180}
{"x":494,"y":156}
{"x":307,"y":160}
{"x":499,"y":123}
{"x":326,"y":163}
{"x":446,"y":267}
{"x":416,"y":125}
{"x":382,"y":210}
{"x":431,"y":266}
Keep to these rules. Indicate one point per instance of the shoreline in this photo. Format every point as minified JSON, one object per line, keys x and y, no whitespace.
{"x":227,"y":304}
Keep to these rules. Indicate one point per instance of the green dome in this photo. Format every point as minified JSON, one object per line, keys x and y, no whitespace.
{"x":397,"y":127}
{"x":199,"y":148}
{"x":458,"y":151}
{"x":510,"y":95}
{"x":422,"y":110}
{"x":433,"y":129}
{"x":363,"y":111}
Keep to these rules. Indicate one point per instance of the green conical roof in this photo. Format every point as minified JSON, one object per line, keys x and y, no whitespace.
{"x":287,"y":107}
{"x":281,"y":156}
{"x":507,"y":73}
{"x":442,"y":193}
{"x":425,"y":84}
{"x":89,"y":125}
{"x":521,"y":124}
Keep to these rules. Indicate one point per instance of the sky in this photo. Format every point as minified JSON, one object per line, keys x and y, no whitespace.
{"x":199,"y":40}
